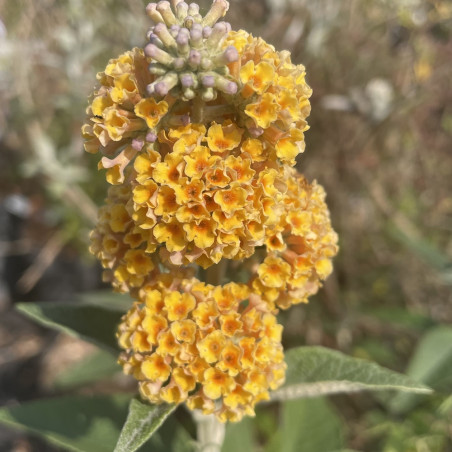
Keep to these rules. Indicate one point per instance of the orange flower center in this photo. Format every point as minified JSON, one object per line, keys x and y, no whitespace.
{"x":174,"y":229}
{"x":201,"y":165}
{"x":184,"y":333}
{"x":173,"y":174}
{"x":153,"y":113}
{"x":221,"y":144}
{"x":214,"y":347}
{"x":202,"y":226}
{"x":274,"y":268}
{"x":296,"y":222}
{"x":229,"y":326}
{"x":218,"y":378}
{"x":192,"y":191}
{"x":229,"y":198}
{"x":230,"y":358}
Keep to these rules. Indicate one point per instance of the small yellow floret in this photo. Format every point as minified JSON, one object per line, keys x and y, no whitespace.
{"x":265,"y":111}
{"x":211,"y":346}
{"x":179,"y":305}
{"x":274,"y":272}
{"x":217,"y":383}
{"x":151,"y":111}
{"x":221,"y":138}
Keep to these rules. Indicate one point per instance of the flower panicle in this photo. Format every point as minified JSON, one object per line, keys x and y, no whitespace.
{"x":198,"y":133}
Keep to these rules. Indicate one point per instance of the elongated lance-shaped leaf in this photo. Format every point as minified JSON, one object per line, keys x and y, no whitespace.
{"x":107,"y":299}
{"x":315,"y":371}
{"x":100,"y":365}
{"x":92,"y":323}
{"x":142,"y":422}
{"x":431,"y":364}
{"x":77,"y":423}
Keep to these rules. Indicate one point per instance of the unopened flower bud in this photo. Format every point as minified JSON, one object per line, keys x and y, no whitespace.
{"x":157,"y":69}
{"x":206,"y":32}
{"x":151,"y":137}
{"x":137,"y":144}
{"x":208,"y":81}
{"x":164,"y":8}
{"x":182,"y":10}
{"x":152,"y":12}
{"x":161,"y":88}
{"x":194,"y":59}
{"x":161,"y":30}
{"x":187,"y":80}
{"x":218,"y":10}
{"x":157,"y":54}
{"x":193,"y":9}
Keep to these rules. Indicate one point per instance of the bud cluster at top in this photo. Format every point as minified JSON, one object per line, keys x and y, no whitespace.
{"x":188,"y":50}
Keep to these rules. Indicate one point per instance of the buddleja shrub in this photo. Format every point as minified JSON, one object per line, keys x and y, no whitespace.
{"x":199,"y":134}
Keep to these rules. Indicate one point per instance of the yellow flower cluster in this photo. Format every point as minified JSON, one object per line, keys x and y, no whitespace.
{"x":268,"y":115}
{"x":126,"y":251}
{"x":275,"y":95}
{"x":300,"y":248}
{"x":204,"y":196}
{"x":121,"y":114}
{"x":202,"y":345}
{"x":117,"y":243}
{"x":198,"y":134}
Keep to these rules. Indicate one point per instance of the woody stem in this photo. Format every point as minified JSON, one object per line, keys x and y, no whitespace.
{"x":210,"y":432}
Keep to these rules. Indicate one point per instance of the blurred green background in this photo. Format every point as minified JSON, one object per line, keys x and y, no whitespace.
{"x":380,"y":142}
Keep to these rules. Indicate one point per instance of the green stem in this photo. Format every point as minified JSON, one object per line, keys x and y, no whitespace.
{"x":198,"y":110}
{"x":210,"y":432}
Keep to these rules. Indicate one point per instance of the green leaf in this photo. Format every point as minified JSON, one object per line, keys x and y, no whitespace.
{"x":446,"y":407}
{"x":142,"y":422}
{"x":308,"y":425}
{"x":315,"y":371}
{"x":239,"y":436}
{"x":431,"y":364}
{"x":78,"y":423}
{"x":428,"y":252}
{"x":97,"y":366}
{"x":83,"y":320}
{"x":399,"y":317}
{"x":107,"y":299}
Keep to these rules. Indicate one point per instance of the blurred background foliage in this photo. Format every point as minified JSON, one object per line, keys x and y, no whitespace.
{"x":380,"y":142}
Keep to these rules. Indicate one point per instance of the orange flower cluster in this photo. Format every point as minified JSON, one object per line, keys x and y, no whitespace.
{"x":203,"y":196}
{"x":202,"y":345}
{"x":125,"y":250}
{"x":116,"y":242}
{"x":275,"y":96}
{"x":299,"y":249}
{"x":120,"y":114}
{"x":199,"y":133}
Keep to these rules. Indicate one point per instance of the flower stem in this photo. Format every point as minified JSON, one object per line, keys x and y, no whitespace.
{"x":210,"y":432}
{"x":216,"y":273}
{"x":198,"y":106}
